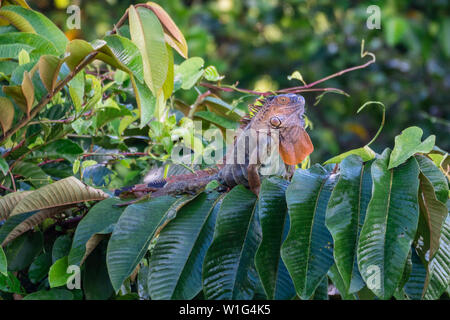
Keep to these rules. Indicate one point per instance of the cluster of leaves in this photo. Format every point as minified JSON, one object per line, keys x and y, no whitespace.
{"x":375,"y":229}
{"x":63,"y":101}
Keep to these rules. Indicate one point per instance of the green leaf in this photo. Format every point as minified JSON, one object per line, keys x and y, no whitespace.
{"x":21,"y":252}
{"x":10,"y":284}
{"x":27,"y":20}
{"x":223,"y":109}
{"x":274,"y":220}
{"x":3,"y":263}
{"x":345,"y":216}
{"x":338,"y":282}
{"x":100,"y":219}
{"x":23,"y":57}
{"x":395,"y":30}
{"x":145,"y":101}
{"x":390,"y":225}
{"x":96,"y":283}
{"x":127,"y":53}
{"x":228,"y":269}
{"x":32,"y":173}
{"x":219,"y":121}
{"x":366,"y":154}
{"x":63,"y":148}
{"x":58,"y":275}
{"x":175,"y":266}
{"x":321,"y":292}
{"x":147,"y":33}
{"x":52,"y":294}
{"x":13,"y":222}
{"x":307,"y":250}
{"x":190,"y":71}
{"x":133,"y":232}
{"x":169,"y":83}
{"x":40,"y":267}
{"x":407,"y":144}
{"x":36,"y":45}
{"x":61,"y":247}
{"x":4,"y":167}
{"x":438,"y":271}
{"x":435,"y":176}
{"x":414,"y":286}
{"x":211,"y":74}
{"x":434,"y":212}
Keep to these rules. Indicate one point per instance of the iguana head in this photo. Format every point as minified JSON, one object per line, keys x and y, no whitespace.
{"x":284,"y":114}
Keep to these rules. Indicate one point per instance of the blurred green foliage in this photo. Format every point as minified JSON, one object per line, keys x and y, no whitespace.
{"x":260,"y":43}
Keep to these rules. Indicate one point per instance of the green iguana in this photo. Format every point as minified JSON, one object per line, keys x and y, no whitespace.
{"x":278,"y":120}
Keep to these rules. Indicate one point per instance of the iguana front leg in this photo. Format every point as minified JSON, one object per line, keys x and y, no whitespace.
{"x":254,"y":180}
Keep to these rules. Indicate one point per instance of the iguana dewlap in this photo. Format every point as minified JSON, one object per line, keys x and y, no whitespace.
{"x":276,"y":128}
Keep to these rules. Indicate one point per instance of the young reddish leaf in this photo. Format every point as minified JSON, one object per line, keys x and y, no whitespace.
{"x":6,"y":114}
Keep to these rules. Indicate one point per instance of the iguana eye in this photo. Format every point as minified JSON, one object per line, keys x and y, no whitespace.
{"x":275,"y":122}
{"x":283,"y":100}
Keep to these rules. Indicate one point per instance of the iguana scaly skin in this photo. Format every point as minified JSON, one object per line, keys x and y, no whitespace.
{"x":278,"y":121}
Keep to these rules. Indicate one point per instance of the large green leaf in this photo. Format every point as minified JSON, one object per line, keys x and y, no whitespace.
{"x":96,"y":283}
{"x":434,"y":212}
{"x":274,"y":221}
{"x":390,"y":225}
{"x":52,"y":294}
{"x":415,"y":284}
{"x":407,"y":144}
{"x":133,"y":232}
{"x":147,"y":33}
{"x":145,"y":101}
{"x":58,"y":275}
{"x":175,"y":266}
{"x":27,"y":20}
{"x":436,"y":177}
{"x":21,"y":252}
{"x":127,"y":53}
{"x":217,"y":120}
{"x":190,"y":71}
{"x":438,"y":274}
{"x":345,"y":216}
{"x":228,"y":270}
{"x":3,"y":263}
{"x":39,"y":268}
{"x":366,"y":154}
{"x":307,"y":250}
{"x":100,"y":219}
{"x":36,"y":45}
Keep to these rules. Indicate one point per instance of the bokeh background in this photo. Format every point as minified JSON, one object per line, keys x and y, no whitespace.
{"x":260,"y":43}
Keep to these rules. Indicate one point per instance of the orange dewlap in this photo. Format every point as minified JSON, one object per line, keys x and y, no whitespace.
{"x":296,"y":146}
